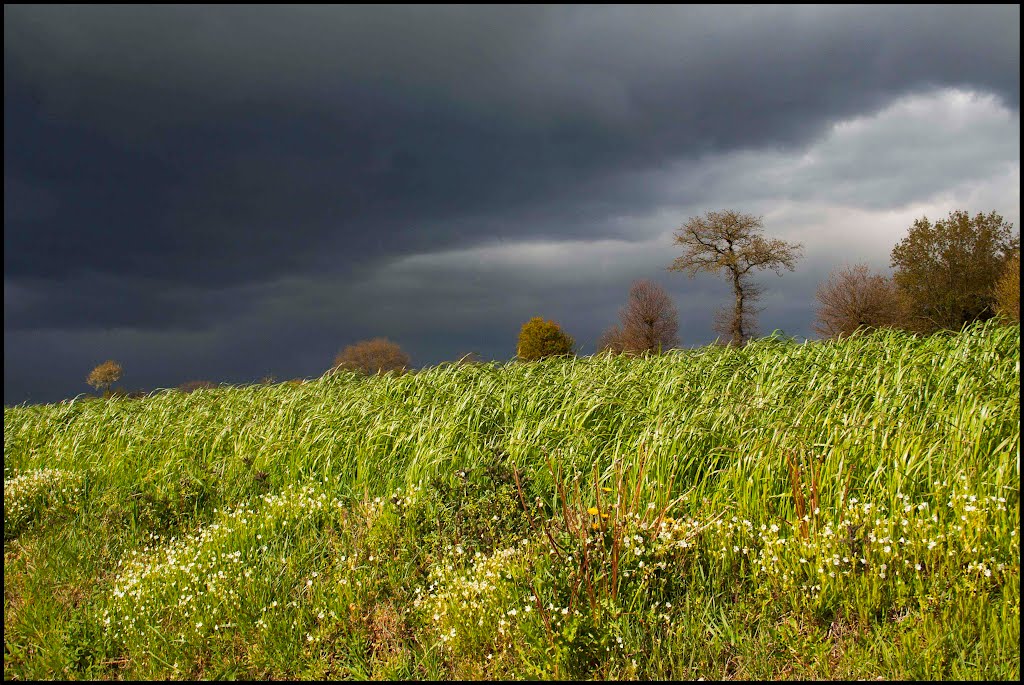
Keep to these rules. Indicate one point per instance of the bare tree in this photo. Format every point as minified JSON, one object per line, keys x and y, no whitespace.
{"x":853,"y":298}
{"x":731,"y":243}
{"x":105,"y":375}
{"x":649,"y":320}
{"x":610,"y":340}
{"x":379,"y":355}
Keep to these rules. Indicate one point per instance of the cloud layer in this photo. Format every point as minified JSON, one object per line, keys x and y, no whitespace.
{"x":230,"y":192}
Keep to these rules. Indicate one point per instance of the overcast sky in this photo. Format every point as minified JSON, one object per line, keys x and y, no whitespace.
{"x":224,"y":193}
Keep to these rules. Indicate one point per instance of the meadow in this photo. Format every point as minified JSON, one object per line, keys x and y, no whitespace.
{"x":844,"y":509}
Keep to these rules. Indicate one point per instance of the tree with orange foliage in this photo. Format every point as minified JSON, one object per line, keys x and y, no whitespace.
{"x":1007,"y":293}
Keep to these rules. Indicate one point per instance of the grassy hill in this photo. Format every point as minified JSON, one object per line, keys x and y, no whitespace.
{"x":829,"y":510}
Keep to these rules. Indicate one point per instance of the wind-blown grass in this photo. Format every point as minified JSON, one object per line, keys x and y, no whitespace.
{"x":861,"y":456}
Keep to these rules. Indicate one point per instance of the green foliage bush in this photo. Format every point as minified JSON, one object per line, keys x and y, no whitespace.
{"x":473,"y":510}
{"x":539,"y":339}
{"x":948,"y":270}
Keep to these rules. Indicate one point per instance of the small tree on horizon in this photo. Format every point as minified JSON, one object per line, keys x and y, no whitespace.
{"x":539,"y":339}
{"x":105,"y":375}
{"x":648,"y":322}
{"x":853,"y":298}
{"x":470,"y":358}
{"x":378,"y":355}
{"x":731,"y":243}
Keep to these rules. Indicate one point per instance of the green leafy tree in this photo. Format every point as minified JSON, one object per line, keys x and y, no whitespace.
{"x":948,"y":270}
{"x":105,"y":375}
{"x":732,"y":244}
{"x":378,"y":355}
{"x":539,"y":338}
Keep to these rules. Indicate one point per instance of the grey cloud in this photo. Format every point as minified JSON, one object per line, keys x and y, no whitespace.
{"x":913,"y":149}
{"x":354,"y":132}
{"x":103,"y":302}
{"x":532,"y":58}
{"x":213,"y":170}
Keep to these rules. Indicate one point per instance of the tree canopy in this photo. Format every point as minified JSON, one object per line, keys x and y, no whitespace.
{"x":948,"y":270}
{"x":1007,"y":294}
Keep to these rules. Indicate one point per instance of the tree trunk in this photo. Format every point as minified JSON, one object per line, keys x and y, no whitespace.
{"x":737,"y":319}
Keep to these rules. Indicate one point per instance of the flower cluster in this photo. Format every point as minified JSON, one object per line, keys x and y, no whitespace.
{"x":897,"y":549}
{"x":220,"y":577}
{"x":30,"y":496}
{"x":479,"y":597}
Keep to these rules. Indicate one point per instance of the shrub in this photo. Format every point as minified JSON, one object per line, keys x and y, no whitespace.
{"x":192,"y":386}
{"x":539,"y":339}
{"x":378,"y":355}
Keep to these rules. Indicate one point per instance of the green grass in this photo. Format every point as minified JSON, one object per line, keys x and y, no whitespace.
{"x":821,"y":510}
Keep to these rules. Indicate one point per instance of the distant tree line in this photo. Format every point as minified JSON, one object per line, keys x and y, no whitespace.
{"x":945,"y":275}
{"x":959,"y":270}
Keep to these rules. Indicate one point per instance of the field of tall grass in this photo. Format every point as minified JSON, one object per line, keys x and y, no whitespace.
{"x":822,"y":510}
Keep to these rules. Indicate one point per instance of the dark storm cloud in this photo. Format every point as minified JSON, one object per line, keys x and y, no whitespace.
{"x":85,"y":300}
{"x":183,"y":168}
{"x":228,"y":143}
